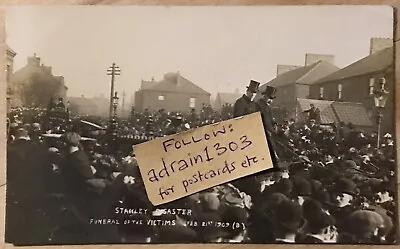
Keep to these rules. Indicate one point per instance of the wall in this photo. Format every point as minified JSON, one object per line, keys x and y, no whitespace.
{"x":286,"y":97}
{"x":302,"y":91}
{"x":172,"y":101}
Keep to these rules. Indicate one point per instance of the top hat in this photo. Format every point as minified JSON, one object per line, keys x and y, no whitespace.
{"x":270,"y":92}
{"x":253,"y":86}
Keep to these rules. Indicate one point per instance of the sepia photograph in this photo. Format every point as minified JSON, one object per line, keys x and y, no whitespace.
{"x":88,"y":85}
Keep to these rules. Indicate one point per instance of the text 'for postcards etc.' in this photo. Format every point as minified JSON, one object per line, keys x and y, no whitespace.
{"x":179,"y":165}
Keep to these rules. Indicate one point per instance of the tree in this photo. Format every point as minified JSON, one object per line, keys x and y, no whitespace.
{"x":38,"y":90}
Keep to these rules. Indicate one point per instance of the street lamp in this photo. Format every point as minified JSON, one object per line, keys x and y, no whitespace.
{"x":380,"y":97}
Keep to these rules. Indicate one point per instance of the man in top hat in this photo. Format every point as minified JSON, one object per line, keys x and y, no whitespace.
{"x":264,"y":107}
{"x":245,"y":105}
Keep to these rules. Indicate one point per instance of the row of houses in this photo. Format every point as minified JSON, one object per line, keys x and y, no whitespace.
{"x":348,"y":90}
{"x":320,"y":80}
{"x":346,"y":93}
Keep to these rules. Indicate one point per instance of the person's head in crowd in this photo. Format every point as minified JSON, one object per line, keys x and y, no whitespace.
{"x":320,"y":224}
{"x":287,"y":219}
{"x":21,"y":134}
{"x":284,"y":186}
{"x":235,"y":215}
{"x":71,"y":139}
{"x":315,"y":185}
{"x":324,"y":198}
{"x":27,"y":127}
{"x":36,"y":127}
{"x":387,"y":226}
{"x":345,"y":191}
{"x":364,"y":226}
{"x":268,"y":95}
{"x":301,"y":189}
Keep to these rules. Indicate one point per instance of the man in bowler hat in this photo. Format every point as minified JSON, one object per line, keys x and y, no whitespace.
{"x":245,"y":105}
{"x":264,"y":107}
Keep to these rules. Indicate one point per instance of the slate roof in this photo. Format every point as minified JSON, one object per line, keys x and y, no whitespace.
{"x":354,"y":113}
{"x":334,"y":112}
{"x":227,"y":98}
{"x":375,"y":62}
{"x":325,"y":107}
{"x":303,"y":75}
{"x":173,"y":82}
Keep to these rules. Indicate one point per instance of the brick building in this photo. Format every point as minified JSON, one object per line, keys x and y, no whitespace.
{"x":173,"y":93}
{"x":357,"y":81}
{"x":294,"y":82}
{"x":32,"y":71}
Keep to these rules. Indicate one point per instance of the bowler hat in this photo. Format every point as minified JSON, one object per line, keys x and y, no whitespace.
{"x":270,"y":92}
{"x":364,"y":222}
{"x":253,"y":86}
{"x":347,"y":186}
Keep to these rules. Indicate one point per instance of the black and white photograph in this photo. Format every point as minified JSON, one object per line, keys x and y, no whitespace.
{"x":87,"y":84}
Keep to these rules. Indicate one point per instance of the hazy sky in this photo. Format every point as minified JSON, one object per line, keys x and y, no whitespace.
{"x":218,"y":48}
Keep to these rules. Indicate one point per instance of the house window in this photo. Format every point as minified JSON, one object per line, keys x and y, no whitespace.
{"x":321,"y":92}
{"x":339,"y":88}
{"x":192,"y":103}
{"x":161,"y":97}
{"x":371,"y":86}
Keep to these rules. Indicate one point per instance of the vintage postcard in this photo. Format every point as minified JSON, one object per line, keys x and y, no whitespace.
{"x":240,"y":124}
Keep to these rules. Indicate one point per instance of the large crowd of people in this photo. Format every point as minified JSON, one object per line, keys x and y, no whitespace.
{"x":334,"y":185}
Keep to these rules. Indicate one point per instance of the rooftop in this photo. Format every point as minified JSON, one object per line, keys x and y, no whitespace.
{"x":173,"y":82}
{"x":375,"y":62}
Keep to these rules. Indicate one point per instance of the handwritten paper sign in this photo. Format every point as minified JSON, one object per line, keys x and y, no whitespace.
{"x":182,"y":164}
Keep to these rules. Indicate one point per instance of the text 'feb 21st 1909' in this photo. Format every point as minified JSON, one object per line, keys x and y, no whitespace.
{"x":179,"y":165}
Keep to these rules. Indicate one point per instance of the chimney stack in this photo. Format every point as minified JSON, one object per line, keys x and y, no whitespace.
{"x":313,"y":58}
{"x":280,"y":69}
{"x":47,"y":69}
{"x":34,"y":60}
{"x":378,"y":44}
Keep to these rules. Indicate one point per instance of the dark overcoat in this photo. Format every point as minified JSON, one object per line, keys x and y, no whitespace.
{"x":243,"y":106}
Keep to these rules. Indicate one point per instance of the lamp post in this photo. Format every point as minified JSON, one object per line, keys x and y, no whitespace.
{"x":380,"y":97}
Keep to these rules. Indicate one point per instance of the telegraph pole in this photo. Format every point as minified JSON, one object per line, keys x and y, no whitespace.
{"x":113,"y":71}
